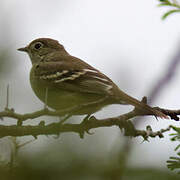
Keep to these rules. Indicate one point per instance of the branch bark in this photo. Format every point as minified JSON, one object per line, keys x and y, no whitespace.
{"x":123,"y":122}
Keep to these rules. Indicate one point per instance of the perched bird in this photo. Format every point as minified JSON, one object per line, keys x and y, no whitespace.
{"x":72,"y":84}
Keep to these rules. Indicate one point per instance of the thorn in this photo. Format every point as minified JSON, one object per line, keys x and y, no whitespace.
{"x":41,"y":123}
{"x":46,"y":98}
{"x":28,"y":142}
{"x":7,"y":98}
{"x":35,"y":136}
{"x":149,"y":128}
{"x":19,"y":122}
{"x":81,"y":134}
{"x":64,"y":119}
{"x":161,"y":135}
{"x":86,"y":118}
{"x":144,"y":100}
{"x":12,"y":110}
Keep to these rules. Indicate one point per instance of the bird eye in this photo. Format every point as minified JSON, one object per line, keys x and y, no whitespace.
{"x":38,"y":45}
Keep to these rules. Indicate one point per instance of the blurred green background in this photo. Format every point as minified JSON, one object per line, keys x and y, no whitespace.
{"x":127,"y":41}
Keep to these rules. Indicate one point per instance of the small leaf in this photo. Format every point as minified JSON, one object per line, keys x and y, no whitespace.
{"x":177,"y":147}
{"x":164,"y":4}
{"x":170,"y":12}
{"x":174,"y":158}
{"x":164,"y":1}
{"x":177,"y":129}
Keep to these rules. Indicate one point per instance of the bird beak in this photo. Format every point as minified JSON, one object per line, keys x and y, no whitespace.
{"x":24,"y":49}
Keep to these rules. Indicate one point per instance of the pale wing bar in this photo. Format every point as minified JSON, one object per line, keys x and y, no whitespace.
{"x":91,"y":77}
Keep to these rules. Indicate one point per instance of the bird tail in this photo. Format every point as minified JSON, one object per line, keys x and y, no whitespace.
{"x":126,"y":99}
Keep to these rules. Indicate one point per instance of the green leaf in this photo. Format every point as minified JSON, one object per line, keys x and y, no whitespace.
{"x":164,"y":4}
{"x":164,"y":1}
{"x":177,"y":147}
{"x":177,"y":129}
{"x":170,"y":12}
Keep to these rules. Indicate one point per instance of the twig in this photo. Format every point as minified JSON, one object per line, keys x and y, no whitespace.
{"x":56,"y":128}
{"x":122,"y":121}
{"x":7,"y":98}
{"x":46,"y":112}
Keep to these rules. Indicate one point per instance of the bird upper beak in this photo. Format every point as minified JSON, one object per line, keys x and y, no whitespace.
{"x":25,"y":49}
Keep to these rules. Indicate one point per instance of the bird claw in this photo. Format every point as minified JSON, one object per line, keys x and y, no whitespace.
{"x":84,"y":121}
{"x":90,"y":133}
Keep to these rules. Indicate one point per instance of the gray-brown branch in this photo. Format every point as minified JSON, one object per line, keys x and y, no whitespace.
{"x":122,"y":121}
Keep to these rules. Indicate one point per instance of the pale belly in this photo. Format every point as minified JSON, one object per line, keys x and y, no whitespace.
{"x":59,"y":99}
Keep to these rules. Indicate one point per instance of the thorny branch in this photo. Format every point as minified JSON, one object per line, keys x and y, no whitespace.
{"x":90,"y":122}
{"x":122,"y":121}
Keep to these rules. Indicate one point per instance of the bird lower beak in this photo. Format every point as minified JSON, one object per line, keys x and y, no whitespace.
{"x":25,"y":49}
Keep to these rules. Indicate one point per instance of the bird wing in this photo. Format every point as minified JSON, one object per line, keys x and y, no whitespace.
{"x":73,"y":74}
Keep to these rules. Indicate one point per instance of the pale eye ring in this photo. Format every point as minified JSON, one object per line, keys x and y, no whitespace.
{"x":38,"y":45}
